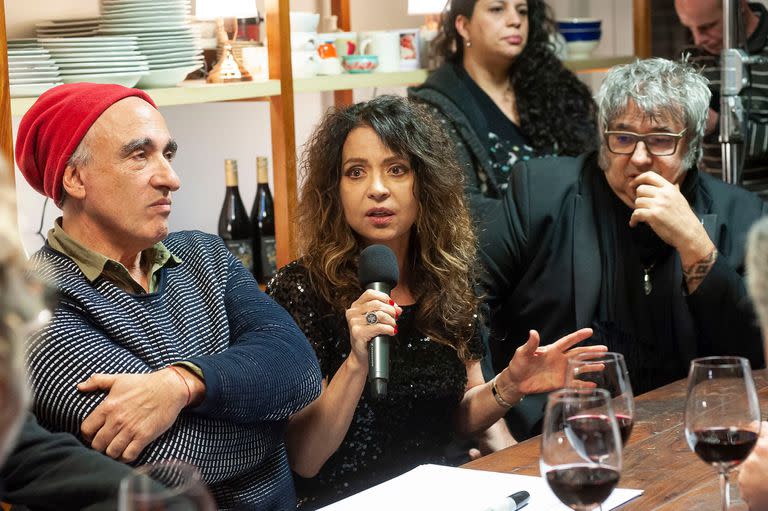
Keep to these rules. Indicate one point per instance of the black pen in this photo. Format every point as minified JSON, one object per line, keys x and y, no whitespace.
{"x":516,"y":501}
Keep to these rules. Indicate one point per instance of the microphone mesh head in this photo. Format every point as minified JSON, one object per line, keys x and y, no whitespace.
{"x":378,"y":264}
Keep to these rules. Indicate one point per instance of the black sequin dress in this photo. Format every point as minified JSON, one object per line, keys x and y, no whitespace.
{"x":411,"y":426}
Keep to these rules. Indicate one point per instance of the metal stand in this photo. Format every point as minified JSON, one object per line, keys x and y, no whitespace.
{"x":733,"y":78}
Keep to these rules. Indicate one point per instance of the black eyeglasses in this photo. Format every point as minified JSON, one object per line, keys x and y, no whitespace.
{"x":658,"y":144}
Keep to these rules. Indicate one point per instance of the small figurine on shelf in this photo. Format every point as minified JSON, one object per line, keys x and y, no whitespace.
{"x":227,"y":69}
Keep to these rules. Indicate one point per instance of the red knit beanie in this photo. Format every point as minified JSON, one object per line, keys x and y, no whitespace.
{"x":53,"y":127}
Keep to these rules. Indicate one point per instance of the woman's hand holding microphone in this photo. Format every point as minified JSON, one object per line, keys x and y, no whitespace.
{"x":374,"y":313}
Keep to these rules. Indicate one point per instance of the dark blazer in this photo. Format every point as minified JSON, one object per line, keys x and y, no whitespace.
{"x":541,"y":256}
{"x":53,"y":471}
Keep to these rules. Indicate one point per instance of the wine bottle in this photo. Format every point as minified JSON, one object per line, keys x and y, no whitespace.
{"x":234,"y":226}
{"x":263,"y":224}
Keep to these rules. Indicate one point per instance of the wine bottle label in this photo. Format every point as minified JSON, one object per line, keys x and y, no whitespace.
{"x":268,"y":256}
{"x":243,"y":250}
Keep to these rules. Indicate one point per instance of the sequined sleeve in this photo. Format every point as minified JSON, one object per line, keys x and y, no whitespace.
{"x":476,"y":345}
{"x":324,"y":327}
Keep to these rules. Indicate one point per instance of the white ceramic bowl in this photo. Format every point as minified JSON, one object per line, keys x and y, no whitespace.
{"x":580,"y":49}
{"x":304,"y":21}
{"x":165,"y":77}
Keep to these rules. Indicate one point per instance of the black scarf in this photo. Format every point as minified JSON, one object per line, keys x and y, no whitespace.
{"x":639,"y":325}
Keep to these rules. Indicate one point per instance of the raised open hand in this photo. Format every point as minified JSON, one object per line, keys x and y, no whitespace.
{"x":536,"y":368}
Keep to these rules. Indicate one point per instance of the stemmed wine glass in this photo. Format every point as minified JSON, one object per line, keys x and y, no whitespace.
{"x":606,"y":371}
{"x":722,"y":414}
{"x":165,"y":486}
{"x":581,"y":447}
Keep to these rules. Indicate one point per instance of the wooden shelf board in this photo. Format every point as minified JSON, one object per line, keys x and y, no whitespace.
{"x":597,"y":63}
{"x":354,"y":81}
{"x":197,"y":91}
{"x":190,"y":92}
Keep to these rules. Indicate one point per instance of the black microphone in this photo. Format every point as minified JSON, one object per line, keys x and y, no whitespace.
{"x":378,"y":270}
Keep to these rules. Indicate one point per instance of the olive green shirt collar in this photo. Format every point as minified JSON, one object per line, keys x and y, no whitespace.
{"x":95,"y":265}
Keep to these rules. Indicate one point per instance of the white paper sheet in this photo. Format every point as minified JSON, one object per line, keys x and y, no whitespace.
{"x":435,"y":487}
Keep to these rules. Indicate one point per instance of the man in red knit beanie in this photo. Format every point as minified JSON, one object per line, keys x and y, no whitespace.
{"x":160,"y":344}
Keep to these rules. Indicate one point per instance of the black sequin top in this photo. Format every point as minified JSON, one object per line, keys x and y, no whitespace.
{"x":411,"y":426}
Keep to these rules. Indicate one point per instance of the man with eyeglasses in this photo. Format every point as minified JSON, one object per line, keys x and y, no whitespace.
{"x":632,"y":240}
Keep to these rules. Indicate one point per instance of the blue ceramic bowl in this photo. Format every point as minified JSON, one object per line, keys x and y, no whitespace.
{"x":581,"y":35}
{"x":578,"y":24}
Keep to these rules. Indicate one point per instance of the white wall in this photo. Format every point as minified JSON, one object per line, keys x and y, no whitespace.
{"x":209,"y":133}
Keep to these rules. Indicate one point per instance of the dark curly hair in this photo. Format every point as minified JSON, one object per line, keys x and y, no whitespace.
{"x":442,"y":251}
{"x":557,"y":112}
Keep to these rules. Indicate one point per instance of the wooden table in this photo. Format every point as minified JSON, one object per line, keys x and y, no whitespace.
{"x":657,"y":458}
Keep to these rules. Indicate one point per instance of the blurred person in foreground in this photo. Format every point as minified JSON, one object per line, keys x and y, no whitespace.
{"x":753,"y":473}
{"x":704,"y":18}
{"x":631,"y":240}
{"x":43,"y":470}
{"x":382,"y":172}
{"x":162,"y":346}
{"x":503,"y":95}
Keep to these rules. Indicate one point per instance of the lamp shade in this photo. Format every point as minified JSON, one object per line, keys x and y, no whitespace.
{"x":212,"y":9}
{"x":425,"y":6}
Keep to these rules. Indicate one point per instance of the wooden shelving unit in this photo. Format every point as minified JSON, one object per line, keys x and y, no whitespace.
{"x":597,"y":63}
{"x":355,"y":81}
{"x":190,"y":92}
{"x":197,"y":91}
{"x":279,"y":91}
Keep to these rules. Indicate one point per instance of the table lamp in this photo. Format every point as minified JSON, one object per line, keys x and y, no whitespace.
{"x":227,"y":69}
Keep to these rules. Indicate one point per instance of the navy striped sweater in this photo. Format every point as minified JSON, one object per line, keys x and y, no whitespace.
{"x":258,"y":366}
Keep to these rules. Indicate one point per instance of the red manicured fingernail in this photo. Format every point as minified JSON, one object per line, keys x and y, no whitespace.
{"x":391,"y":302}
{"x":395,"y":329}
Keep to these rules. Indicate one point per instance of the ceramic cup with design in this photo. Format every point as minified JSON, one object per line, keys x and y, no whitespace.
{"x":385,"y":44}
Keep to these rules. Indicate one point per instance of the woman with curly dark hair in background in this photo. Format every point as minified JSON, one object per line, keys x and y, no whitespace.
{"x":502,"y":94}
{"x":382,"y":172}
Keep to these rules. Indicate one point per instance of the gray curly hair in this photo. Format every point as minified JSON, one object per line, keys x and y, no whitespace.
{"x":659,"y":87}
{"x":757,"y":273}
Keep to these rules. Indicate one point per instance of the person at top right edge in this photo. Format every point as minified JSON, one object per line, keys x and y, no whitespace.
{"x":704,"y":18}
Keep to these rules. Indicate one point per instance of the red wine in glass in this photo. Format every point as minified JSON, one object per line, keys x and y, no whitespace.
{"x":580,"y":486}
{"x":625,"y":427}
{"x":581,"y":447}
{"x":722,"y":414}
{"x":726,"y":446}
{"x":606,"y":371}
{"x":588,"y":434}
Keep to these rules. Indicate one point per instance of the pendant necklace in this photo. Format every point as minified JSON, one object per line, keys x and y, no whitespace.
{"x":647,"y":285}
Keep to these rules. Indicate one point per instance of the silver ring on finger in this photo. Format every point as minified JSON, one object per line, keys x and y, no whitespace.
{"x":371,"y":318}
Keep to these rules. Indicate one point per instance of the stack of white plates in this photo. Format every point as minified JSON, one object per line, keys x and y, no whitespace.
{"x":79,"y":27}
{"x":99,"y":59}
{"x":30,"y":69}
{"x":164,"y":34}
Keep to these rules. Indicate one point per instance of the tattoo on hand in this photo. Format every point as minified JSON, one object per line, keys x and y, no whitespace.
{"x":696,"y":272}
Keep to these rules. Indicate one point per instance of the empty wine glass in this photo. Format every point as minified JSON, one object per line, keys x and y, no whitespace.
{"x":606,"y":371}
{"x":722,"y":414}
{"x":581,"y":447}
{"x":166,"y":486}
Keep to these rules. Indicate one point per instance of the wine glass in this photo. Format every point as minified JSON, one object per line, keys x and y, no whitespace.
{"x":581,"y":447}
{"x":606,"y":371}
{"x":165,"y":486}
{"x":722,"y":414}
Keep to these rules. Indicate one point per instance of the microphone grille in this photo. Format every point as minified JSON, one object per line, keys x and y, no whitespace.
{"x":378,"y":264}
